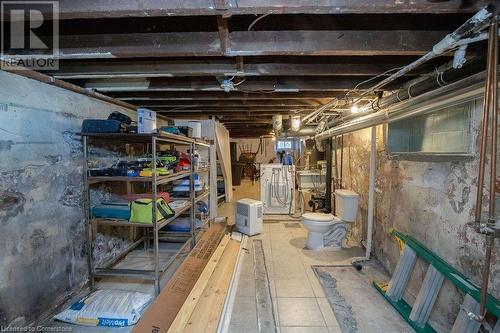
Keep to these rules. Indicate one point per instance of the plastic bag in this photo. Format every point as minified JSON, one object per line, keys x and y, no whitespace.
{"x":110,"y":308}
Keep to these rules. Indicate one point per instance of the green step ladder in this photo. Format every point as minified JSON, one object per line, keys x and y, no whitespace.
{"x":418,"y":314}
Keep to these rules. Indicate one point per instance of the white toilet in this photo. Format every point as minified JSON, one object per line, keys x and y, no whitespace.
{"x":327,"y":231}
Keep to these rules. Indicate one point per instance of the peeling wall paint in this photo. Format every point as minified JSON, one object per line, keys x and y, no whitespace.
{"x":432,"y":201}
{"x":42,"y":238}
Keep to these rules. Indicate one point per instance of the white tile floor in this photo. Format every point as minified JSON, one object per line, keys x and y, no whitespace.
{"x":299,"y":302}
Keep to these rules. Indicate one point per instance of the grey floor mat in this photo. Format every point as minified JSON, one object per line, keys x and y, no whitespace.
{"x":358,"y":307}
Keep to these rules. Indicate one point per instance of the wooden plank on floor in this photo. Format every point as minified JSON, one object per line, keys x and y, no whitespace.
{"x":194,"y":296}
{"x":227,"y":311}
{"x":160,"y":315}
{"x":208,"y":311}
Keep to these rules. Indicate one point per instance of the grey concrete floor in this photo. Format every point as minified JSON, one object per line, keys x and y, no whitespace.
{"x":356,"y":303}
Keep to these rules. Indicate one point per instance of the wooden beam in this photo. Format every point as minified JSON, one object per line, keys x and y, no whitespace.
{"x":256,"y":84}
{"x":294,"y":103}
{"x":247,"y":43}
{"x":139,"y":45}
{"x":223,"y":35}
{"x":250,"y":129}
{"x":243,"y":122}
{"x":71,"y":9}
{"x":202,"y":95}
{"x":173,"y":68}
{"x":334,"y":43}
{"x":232,"y":110}
{"x":225,"y":114}
{"x":264,"y":127}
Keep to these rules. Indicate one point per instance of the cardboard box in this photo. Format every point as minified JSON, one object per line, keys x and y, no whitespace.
{"x":162,"y":312}
{"x":146,"y":121}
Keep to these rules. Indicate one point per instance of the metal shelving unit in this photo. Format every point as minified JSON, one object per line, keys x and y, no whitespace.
{"x":154,"y":141}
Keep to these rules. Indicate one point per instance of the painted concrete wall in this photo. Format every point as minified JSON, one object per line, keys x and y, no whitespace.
{"x":432,"y":201}
{"x":42,"y":249}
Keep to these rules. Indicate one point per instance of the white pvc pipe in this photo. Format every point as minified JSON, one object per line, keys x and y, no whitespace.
{"x":371,"y":192}
{"x":446,"y":44}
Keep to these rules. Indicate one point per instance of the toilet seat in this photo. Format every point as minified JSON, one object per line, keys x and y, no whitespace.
{"x":319,"y":219}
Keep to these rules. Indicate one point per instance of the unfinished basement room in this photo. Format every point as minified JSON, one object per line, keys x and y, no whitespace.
{"x":249,"y":166}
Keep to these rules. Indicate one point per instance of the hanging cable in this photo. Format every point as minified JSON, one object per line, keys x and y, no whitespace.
{"x":258,"y":19}
{"x":371,"y":79}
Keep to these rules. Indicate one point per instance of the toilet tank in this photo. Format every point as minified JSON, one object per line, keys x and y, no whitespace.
{"x":346,"y":202}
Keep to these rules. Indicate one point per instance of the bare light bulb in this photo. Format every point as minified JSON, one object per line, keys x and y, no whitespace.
{"x":354,"y":109}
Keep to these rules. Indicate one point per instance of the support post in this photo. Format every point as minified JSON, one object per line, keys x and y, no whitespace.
{"x":155,"y":221}
{"x":213,"y":173}
{"x":86,"y":200}
{"x":329,"y":160}
{"x":192,"y":195}
{"x":371,"y":192}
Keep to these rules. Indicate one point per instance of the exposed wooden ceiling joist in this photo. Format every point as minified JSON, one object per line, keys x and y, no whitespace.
{"x":203,"y":95}
{"x":248,"y":43}
{"x":138,"y":51}
{"x":231,"y":112}
{"x":251,"y":84}
{"x":71,"y":9}
{"x":306,"y":103}
{"x":234,"y":113}
{"x":162,"y":68}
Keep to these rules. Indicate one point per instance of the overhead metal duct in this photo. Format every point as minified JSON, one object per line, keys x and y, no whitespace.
{"x":304,"y":131}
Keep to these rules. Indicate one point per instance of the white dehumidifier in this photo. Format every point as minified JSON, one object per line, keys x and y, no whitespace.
{"x":249,"y":216}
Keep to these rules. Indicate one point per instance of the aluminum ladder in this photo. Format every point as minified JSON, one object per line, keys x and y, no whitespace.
{"x":418,"y":314}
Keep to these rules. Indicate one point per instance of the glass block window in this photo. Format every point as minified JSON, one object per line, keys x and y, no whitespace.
{"x":282,"y":144}
{"x":445,"y":131}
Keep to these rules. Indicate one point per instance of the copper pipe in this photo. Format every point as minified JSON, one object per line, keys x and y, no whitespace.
{"x":336,"y":175}
{"x":490,"y":241}
{"x":341,"y":180}
{"x":494,"y":120}
{"x":484,"y":134}
{"x":490,"y":103}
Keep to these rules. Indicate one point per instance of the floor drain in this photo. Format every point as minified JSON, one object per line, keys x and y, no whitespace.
{"x":292,"y":225}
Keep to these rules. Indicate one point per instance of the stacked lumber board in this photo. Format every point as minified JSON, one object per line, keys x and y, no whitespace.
{"x":204,"y":316}
{"x":193,"y":299}
{"x":162,"y":312}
